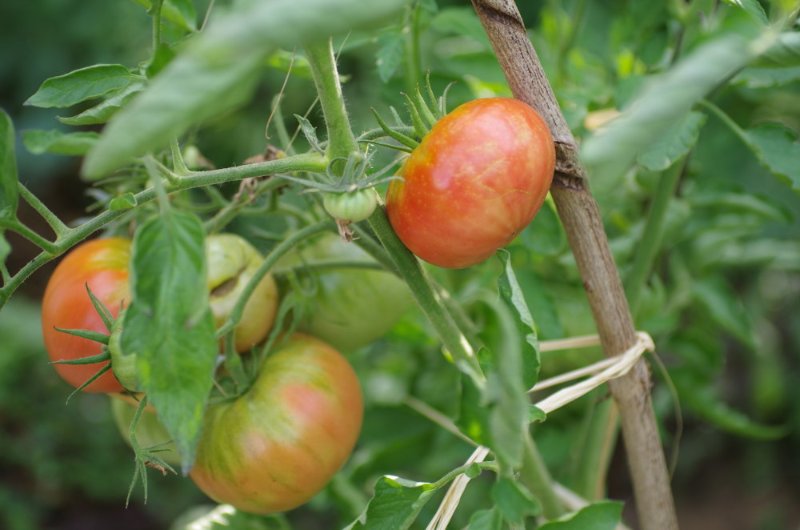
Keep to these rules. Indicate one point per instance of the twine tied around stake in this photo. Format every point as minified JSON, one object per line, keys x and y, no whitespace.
{"x":599,"y":373}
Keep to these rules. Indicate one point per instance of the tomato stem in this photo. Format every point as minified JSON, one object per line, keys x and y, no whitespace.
{"x":70,"y":237}
{"x":341,"y":143}
{"x":52,"y":219}
{"x":429,"y":301}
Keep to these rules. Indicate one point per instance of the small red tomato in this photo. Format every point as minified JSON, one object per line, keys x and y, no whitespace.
{"x":103,"y":265}
{"x":276,"y":446}
{"x":473,"y":183}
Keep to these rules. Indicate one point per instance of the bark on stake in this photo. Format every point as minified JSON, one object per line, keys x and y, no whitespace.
{"x":584,"y":227}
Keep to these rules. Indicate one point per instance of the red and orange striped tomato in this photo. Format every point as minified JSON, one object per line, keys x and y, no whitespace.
{"x":473,"y":183}
{"x":102,"y":264}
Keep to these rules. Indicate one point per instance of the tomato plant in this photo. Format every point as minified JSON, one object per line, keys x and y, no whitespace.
{"x":277,"y":445}
{"x":102,"y":266}
{"x":473,"y":183}
{"x":350,"y":307}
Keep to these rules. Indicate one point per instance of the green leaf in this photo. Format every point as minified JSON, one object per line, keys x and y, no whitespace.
{"x":160,"y":59}
{"x":310,"y":133}
{"x":226,"y":517}
{"x":9,"y":193}
{"x":79,"y":85}
{"x":218,"y":70}
{"x":59,"y":143}
{"x":779,"y":65}
{"x":169,"y":325}
{"x":777,"y":148}
{"x":490,"y":519}
{"x":767,"y":77}
{"x":663,"y":103}
{"x":510,"y":375}
{"x":461,"y":21}
{"x":604,"y":515}
{"x":390,"y":55}
{"x":514,"y":297}
{"x":179,"y":12}
{"x":752,"y":8}
{"x":676,"y":142}
{"x":723,"y":307}
{"x":513,"y":501}
{"x":473,"y":415}
{"x":785,"y":51}
{"x":497,"y":413}
{"x":103,"y":111}
{"x":747,"y":203}
{"x":395,"y":505}
{"x":281,"y":60}
{"x":697,"y":396}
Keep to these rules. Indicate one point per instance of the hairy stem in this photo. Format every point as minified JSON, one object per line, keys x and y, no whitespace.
{"x":341,"y":141}
{"x":73,"y":236}
{"x":52,"y":219}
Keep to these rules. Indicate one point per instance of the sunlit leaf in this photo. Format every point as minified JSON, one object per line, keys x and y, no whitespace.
{"x":395,"y":505}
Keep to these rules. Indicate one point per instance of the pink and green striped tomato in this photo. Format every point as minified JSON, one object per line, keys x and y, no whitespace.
{"x":276,"y":446}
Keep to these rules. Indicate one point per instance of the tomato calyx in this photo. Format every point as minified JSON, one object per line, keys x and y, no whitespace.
{"x":424,"y":112}
{"x":348,"y":188}
{"x":102,"y":338}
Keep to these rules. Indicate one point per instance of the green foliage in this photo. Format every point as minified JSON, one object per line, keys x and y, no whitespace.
{"x":597,"y":516}
{"x":87,"y":83}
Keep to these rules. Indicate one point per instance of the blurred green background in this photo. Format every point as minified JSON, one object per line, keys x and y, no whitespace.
{"x":723,"y":302}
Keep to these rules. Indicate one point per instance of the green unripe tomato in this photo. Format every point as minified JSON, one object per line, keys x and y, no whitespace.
{"x":150,"y":431}
{"x":351,"y":207}
{"x":351,"y":307}
{"x":232,"y":261}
